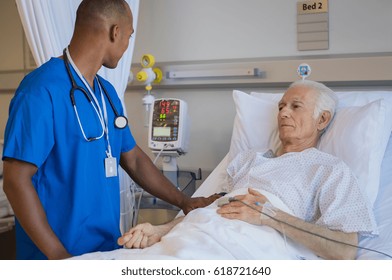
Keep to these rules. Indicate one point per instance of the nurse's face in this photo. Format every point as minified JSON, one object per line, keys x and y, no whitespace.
{"x":122,"y":35}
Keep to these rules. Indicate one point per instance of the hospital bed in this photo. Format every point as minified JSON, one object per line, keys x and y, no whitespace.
{"x":360,"y":135}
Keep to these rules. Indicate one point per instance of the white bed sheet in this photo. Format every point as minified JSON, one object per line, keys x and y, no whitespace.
{"x":204,"y":234}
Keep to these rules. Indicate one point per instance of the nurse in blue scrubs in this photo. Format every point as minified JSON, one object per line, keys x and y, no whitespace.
{"x":63,"y":147}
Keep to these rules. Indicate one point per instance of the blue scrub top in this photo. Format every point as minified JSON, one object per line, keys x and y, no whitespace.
{"x":81,"y":204}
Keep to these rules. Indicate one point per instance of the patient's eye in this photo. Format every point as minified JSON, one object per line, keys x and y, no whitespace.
{"x":297,"y":105}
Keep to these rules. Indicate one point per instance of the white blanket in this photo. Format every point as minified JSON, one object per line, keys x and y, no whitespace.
{"x":203,"y":234}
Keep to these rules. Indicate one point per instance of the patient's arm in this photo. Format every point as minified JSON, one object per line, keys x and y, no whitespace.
{"x":145,"y":235}
{"x":323,"y":247}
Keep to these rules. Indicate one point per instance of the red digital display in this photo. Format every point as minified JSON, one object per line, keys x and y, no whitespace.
{"x":165,"y":120}
{"x":167,"y":107}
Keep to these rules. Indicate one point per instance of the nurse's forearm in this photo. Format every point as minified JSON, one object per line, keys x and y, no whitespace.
{"x":142,"y":170}
{"x":28,"y":209}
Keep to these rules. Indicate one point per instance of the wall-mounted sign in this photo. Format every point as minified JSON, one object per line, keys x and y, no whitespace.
{"x":312,"y":7}
{"x":312,"y":25}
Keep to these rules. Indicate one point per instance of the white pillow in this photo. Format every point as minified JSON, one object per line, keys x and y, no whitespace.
{"x":255,"y":124}
{"x":358,"y":135}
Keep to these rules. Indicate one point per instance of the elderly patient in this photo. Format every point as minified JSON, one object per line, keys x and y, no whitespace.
{"x":329,"y":209}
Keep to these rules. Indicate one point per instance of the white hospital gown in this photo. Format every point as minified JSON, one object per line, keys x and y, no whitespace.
{"x":318,"y":187}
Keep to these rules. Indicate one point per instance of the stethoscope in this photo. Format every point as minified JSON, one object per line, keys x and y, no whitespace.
{"x":120,"y":121}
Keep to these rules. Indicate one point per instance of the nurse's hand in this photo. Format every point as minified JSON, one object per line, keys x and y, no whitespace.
{"x":198,"y":202}
{"x":141,"y":236}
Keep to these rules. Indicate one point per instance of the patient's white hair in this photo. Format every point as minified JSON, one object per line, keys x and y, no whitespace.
{"x":326,"y":99}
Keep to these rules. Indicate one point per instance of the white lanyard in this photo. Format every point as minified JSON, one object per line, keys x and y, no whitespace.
{"x":105,"y":112}
{"x":103,"y":118}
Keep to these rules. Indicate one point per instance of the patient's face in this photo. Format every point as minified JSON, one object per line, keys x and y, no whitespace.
{"x":296,"y":122}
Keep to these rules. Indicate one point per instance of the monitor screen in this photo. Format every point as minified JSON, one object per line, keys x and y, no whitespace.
{"x":159,"y":131}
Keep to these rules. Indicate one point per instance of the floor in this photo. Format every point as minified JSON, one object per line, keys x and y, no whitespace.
{"x":7,"y":245}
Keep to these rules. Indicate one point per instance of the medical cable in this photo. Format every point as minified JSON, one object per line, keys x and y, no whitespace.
{"x":309,"y":232}
{"x":137,"y":206}
{"x":160,"y":152}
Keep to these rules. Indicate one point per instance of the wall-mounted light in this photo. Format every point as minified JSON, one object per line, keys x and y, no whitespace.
{"x":221,"y":73}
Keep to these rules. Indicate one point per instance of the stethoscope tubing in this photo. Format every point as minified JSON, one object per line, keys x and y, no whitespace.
{"x":124,"y":120}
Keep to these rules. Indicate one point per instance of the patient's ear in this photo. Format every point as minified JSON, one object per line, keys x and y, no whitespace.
{"x":324,"y":120}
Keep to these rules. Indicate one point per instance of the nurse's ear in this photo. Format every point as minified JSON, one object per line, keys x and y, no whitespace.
{"x":113,"y":33}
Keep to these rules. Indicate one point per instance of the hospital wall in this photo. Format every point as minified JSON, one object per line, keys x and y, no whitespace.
{"x":11,"y":56}
{"x":188,"y":32}
{"x":205,"y":31}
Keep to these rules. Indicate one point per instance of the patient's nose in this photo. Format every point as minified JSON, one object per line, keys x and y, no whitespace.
{"x":284,"y":112}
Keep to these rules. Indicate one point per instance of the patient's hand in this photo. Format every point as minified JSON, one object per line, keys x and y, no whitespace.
{"x":239,"y":211}
{"x":141,"y":236}
{"x":146,"y":235}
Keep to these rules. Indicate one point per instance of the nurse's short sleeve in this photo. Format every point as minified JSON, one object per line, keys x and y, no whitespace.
{"x":29,"y":130}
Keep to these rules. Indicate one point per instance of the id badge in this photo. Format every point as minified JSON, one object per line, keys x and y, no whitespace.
{"x":111,"y":167}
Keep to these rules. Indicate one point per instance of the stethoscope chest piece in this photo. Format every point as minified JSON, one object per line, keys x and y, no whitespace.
{"x":120,"y":122}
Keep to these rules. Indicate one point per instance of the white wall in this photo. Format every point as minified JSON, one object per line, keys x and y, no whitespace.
{"x":209,"y":30}
{"x":211,"y":114}
{"x":181,"y":30}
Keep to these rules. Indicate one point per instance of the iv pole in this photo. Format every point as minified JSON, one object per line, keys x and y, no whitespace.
{"x":149,"y":75}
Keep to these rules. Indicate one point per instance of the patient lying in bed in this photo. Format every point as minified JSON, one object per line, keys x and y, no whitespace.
{"x":296,"y":202}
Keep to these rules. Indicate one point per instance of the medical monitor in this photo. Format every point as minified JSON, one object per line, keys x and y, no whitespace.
{"x":169,"y":126}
